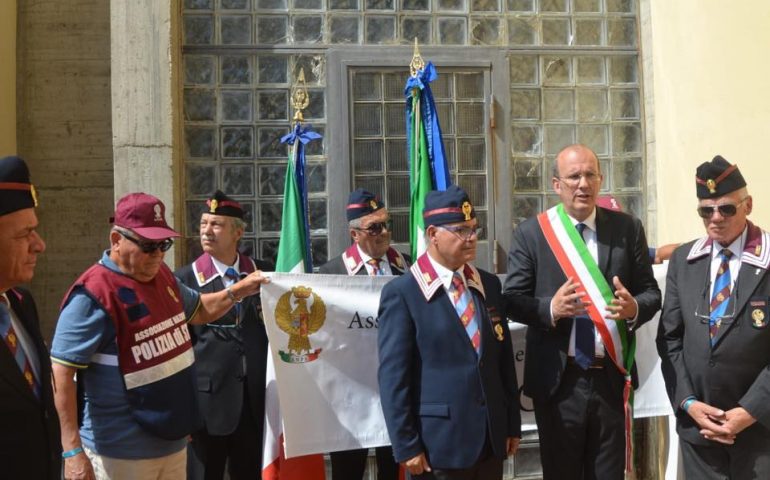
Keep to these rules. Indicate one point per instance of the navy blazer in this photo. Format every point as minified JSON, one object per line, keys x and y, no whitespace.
{"x":736,"y":370}
{"x":30,"y":442}
{"x":438,"y":396}
{"x":221,"y":354}
{"x":534,"y":276}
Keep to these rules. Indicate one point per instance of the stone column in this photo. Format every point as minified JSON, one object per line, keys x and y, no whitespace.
{"x":145,"y":131}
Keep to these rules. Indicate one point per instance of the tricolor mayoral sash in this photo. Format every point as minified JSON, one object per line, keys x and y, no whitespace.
{"x":576,"y":261}
{"x":155,"y":355}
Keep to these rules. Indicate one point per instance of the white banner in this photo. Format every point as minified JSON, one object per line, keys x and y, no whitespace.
{"x":323,"y":339}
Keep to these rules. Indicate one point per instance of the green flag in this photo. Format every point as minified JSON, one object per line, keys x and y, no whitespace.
{"x":292,"y":245}
{"x":419,"y":178}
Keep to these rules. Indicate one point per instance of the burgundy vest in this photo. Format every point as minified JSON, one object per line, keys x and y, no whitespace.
{"x":155,"y":355}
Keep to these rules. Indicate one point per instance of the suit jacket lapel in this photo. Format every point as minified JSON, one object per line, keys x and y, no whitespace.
{"x":8,"y":366}
{"x":603,"y":241}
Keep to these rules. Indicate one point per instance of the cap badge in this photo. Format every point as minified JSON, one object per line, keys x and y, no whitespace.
{"x":373,"y":204}
{"x":213,"y":204}
{"x":467,"y":208}
{"x":711,"y":185}
{"x":34,"y":194}
{"x":158,"y":217}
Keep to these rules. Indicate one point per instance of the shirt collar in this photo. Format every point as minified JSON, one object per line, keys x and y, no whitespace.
{"x":444,"y":274}
{"x":222,"y":268}
{"x":736,"y":248}
{"x":589,"y":222}
{"x":364,"y":257}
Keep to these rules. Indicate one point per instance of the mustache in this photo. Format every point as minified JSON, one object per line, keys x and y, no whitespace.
{"x":209,"y":238}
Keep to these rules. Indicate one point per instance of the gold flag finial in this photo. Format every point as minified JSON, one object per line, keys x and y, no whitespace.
{"x":417,"y":62}
{"x":299,"y":97}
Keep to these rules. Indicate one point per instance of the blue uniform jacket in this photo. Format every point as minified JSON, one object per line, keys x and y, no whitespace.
{"x":438,"y":395}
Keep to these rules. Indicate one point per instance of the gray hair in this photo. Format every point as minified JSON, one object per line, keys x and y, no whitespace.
{"x":355,"y":223}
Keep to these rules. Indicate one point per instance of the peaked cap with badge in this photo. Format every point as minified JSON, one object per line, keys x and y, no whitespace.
{"x":221,"y":204}
{"x":16,"y":191}
{"x":717,"y":178}
{"x":448,"y":206}
{"x":362,"y":203}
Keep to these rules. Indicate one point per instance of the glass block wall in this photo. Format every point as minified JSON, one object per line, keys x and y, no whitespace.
{"x":379,"y":138}
{"x":572,"y":69}
{"x":557,"y":100}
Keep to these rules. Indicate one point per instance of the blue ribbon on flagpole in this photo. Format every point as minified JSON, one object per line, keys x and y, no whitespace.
{"x":303,"y":134}
{"x":438,"y":162}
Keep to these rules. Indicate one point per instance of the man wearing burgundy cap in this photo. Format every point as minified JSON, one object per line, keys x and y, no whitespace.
{"x":123,"y":330}
{"x":370,"y":254}
{"x":231,"y":352}
{"x":447,"y":375}
{"x":29,"y":427}
{"x":713,"y":335}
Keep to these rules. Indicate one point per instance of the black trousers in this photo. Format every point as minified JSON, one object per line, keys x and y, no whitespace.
{"x":351,"y":464}
{"x":744,"y":460}
{"x":241,"y":451}
{"x":582,"y":426}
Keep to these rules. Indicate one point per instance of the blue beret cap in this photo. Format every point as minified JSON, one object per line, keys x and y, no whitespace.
{"x":16,"y":191}
{"x":361,"y":202}
{"x":449,"y":206}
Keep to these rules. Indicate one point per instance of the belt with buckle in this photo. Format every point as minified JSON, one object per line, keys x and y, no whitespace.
{"x":598,"y":363}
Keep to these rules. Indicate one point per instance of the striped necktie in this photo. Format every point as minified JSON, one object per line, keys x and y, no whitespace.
{"x":585,"y":349}
{"x":463,"y":303}
{"x":17,"y":351}
{"x":721,"y":296}
{"x":375,"y":264}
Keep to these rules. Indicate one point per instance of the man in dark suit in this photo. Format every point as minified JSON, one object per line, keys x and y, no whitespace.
{"x":575,"y":373}
{"x":447,"y":376}
{"x":713,"y":337}
{"x":230,"y":353}
{"x":369,"y":254}
{"x":29,"y":434}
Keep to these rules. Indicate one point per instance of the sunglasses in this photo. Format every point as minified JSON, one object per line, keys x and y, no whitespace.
{"x":375,"y":228}
{"x":725,"y":210}
{"x":150,"y":247}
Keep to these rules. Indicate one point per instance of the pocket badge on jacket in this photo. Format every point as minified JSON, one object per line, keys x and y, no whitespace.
{"x":497,"y":323}
{"x":759,"y":317}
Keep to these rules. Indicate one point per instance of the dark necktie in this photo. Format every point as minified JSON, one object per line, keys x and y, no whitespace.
{"x":231,"y":274}
{"x":721,"y":296}
{"x":585,"y":350}
{"x":14,"y":346}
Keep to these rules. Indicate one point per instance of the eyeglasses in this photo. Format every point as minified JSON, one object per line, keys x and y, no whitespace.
{"x":375,"y":228}
{"x":464,"y":233}
{"x":726,"y":209}
{"x":721,"y":319}
{"x":574,"y":180}
{"x":150,"y":247}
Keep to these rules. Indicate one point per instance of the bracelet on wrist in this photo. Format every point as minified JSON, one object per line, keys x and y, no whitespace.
{"x":232,"y":296}
{"x":72,"y":453}
{"x":687,"y":403}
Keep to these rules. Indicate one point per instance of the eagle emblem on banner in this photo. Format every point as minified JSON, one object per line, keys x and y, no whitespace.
{"x":299,"y":322}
